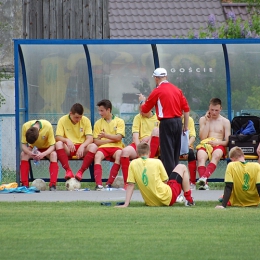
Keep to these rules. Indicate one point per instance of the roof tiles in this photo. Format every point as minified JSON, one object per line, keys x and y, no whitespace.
{"x":161,"y":19}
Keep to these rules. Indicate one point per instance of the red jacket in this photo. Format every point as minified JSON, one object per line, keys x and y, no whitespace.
{"x":168,"y":100}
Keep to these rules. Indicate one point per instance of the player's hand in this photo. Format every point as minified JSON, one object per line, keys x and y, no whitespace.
{"x":80,"y":152}
{"x":102,"y":134}
{"x":185,"y":156}
{"x":71,"y":145}
{"x":145,"y":140}
{"x":219,"y":207}
{"x":214,"y":143}
{"x":141,"y":97}
{"x":207,"y":115}
{"x":122,"y":206}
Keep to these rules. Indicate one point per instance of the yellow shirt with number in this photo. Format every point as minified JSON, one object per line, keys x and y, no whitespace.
{"x":75,"y":132}
{"x":144,"y":125}
{"x":114,"y":127}
{"x":244,"y":176}
{"x":150,"y":181}
{"x":46,"y":134}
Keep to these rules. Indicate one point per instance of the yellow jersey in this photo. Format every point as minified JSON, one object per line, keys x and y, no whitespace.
{"x":144,"y":125}
{"x":46,"y":134}
{"x":113,"y":127}
{"x":75,"y":132}
{"x":149,"y":174}
{"x":244,"y":176}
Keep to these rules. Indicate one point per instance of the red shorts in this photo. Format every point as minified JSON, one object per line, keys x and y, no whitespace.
{"x":42,"y":150}
{"x":176,"y":190}
{"x":221,"y":147}
{"x":74,"y":153}
{"x":133,"y":145}
{"x":109,"y":152}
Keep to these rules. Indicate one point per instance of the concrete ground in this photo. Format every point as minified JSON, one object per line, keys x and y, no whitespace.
{"x":99,"y":196}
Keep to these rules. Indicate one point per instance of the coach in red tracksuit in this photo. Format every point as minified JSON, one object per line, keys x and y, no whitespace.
{"x":169,"y":103}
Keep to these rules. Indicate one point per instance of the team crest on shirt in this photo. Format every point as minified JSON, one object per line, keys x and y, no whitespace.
{"x":81,"y":129}
{"x":156,"y":123}
{"x":43,"y":137}
{"x":115,"y":128}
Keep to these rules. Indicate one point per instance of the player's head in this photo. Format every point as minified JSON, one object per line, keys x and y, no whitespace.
{"x":215,"y":107}
{"x":76,"y":113}
{"x":143,"y":149}
{"x":159,"y":75}
{"x":104,"y":108}
{"x":77,"y":109}
{"x":32,"y":135}
{"x":236,"y":153}
{"x":215,"y":102}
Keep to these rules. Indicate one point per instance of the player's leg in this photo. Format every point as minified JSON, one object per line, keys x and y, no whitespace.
{"x":154,"y":142}
{"x":24,"y":169}
{"x":192,"y":166}
{"x":99,"y":156}
{"x":115,"y":168}
{"x":128,"y":153}
{"x":202,"y":157}
{"x":181,"y":175}
{"x":62,"y":153}
{"x":89,"y":156}
{"x":53,"y":169}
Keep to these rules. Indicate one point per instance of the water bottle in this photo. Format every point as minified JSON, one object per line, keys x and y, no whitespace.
{"x":35,"y":151}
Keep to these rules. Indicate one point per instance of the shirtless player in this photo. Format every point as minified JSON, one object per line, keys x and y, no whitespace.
{"x":214,"y":133}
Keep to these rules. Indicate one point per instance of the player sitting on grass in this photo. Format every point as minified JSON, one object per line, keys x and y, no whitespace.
{"x":144,"y":130}
{"x":242,"y":181}
{"x":152,"y":180}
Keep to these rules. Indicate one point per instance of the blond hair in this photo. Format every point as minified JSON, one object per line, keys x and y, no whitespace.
{"x":236,"y":152}
{"x":143,"y":149}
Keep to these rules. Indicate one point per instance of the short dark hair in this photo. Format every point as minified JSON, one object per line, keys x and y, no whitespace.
{"x":143,"y":149}
{"x":215,"y":102}
{"x":105,"y":103}
{"x":32,"y":135}
{"x":77,"y":108}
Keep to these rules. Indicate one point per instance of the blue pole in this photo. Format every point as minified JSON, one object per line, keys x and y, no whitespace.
{"x":229,"y":100}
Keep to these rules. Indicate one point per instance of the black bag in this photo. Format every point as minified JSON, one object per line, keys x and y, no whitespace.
{"x":248,"y":146}
{"x":239,"y":121}
{"x":248,"y":143}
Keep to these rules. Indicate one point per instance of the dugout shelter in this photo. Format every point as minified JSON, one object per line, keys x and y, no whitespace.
{"x":52,"y":75}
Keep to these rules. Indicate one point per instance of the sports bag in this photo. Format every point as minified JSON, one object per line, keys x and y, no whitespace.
{"x":239,"y":121}
{"x":247,"y":129}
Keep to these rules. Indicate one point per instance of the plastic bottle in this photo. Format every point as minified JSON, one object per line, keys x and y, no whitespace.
{"x":35,"y":151}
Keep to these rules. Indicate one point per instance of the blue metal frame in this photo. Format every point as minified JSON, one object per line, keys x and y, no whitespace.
{"x":18,"y":56}
{"x":229,"y":100}
{"x":91,"y":85}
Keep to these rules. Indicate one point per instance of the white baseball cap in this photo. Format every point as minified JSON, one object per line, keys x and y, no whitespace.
{"x":160,"y":72}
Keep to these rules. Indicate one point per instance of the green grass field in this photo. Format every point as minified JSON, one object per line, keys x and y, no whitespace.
{"x":87,"y":230}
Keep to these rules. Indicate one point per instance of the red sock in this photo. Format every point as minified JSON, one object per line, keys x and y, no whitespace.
{"x":154,"y":146}
{"x":98,"y":174}
{"x":88,"y":159}
{"x":24,"y":171}
{"x":187,"y":196}
{"x":124,"y":166}
{"x":210,"y":169}
{"x":192,"y":170}
{"x":113,"y":173}
{"x":201,"y":170}
{"x":54,"y":171}
{"x":63,"y":158}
